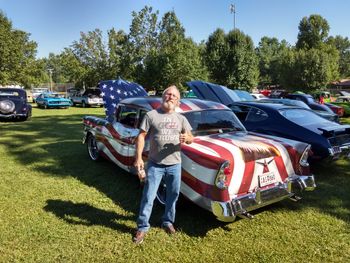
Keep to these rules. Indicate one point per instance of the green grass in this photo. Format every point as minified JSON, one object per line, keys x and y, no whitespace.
{"x":58,"y":206}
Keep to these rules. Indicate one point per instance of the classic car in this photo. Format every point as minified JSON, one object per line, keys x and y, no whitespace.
{"x":226,"y":169}
{"x":327,"y":138}
{"x":331,"y":116}
{"x":14,"y":104}
{"x":258,"y":96}
{"x":344,"y":102}
{"x":37,"y":91}
{"x":309,"y":100}
{"x":337,"y":109}
{"x":87,"y":98}
{"x":52,"y":100}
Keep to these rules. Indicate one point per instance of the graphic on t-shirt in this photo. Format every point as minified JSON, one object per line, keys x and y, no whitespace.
{"x":168,"y":130}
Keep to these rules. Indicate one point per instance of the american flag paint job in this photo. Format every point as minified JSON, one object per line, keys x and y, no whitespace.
{"x":250,"y":155}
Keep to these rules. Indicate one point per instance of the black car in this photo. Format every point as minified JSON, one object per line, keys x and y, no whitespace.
{"x":14,"y":104}
{"x":310,"y":101}
{"x":327,"y":138}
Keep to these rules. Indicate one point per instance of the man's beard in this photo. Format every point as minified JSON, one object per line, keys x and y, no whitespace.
{"x":169,"y":105}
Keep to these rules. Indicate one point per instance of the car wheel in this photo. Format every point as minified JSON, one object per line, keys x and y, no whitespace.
{"x":7,"y":106}
{"x":92,"y":148}
{"x":161,"y":193}
{"x":45,"y":106}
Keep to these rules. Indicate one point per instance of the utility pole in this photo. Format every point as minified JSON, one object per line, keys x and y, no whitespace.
{"x":233,"y":11}
{"x":50,"y":72}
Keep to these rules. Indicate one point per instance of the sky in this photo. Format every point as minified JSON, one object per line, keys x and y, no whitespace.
{"x":56,"y":24}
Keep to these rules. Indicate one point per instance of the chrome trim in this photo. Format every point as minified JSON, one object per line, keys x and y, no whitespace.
{"x":239,"y":206}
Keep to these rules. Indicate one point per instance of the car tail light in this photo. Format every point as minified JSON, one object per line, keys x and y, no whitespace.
{"x":303,"y":161}
{"x":221,"y":177}
{"x":340,"y":112}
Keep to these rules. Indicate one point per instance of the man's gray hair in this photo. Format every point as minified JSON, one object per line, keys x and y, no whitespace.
{"x":171,"y":87}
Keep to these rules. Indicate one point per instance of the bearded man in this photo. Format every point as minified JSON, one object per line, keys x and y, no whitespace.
{"x":166,"y":129}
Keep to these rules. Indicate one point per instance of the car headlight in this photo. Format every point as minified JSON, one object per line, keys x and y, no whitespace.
{"x":221,"y":177}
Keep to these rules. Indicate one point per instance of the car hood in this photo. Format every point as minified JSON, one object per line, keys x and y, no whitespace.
{"x":249,"y":146}
{"x":58,"y":99}
{"x":213,"y":92}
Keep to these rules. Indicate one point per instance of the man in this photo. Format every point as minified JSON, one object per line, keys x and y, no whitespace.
{"x":167,"y":129}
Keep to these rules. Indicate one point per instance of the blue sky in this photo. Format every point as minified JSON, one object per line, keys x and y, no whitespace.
{"x":55,"y":24}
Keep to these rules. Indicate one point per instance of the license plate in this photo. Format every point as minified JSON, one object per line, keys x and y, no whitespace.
{"x":267,"y":179}
{"x":336,"y":149}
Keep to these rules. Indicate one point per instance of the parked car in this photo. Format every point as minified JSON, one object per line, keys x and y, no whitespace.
{"x":52,"y":100}
{"x":14,"y":104}
{"x":344,"y":102}
{"x":309,"y":100}
{"x":87,"y":98}
{"x":37,"y":91}
{"x":226,"y":169}
{"x":327,"y":138}
{"x":258,"y":96}
{"x":337,"y":109}
{"x":331,"y":116}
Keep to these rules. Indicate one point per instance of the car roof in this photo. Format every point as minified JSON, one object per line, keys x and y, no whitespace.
{"x":266,"y":105}
{"x":150,"y":103}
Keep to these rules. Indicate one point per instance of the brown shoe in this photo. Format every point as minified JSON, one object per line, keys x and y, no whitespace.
{"x":169,"y":229}
{"x":139,"y":236}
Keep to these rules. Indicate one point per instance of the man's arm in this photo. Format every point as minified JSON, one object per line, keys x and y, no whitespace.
{"x":140,"y":144}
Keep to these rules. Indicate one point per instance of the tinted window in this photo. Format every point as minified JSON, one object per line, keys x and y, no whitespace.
{"x":302,"y":117}
{"x":220,"y":120}
{"x":256,"y":114}
{"x":127,"y":115}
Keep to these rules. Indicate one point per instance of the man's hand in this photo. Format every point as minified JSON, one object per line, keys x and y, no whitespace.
{"x":186,"y":138}
{"x":139,"y":164}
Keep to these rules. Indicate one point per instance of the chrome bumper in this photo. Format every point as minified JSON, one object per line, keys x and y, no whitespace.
{"x":227,"y":211}
{"x":13,"y":115}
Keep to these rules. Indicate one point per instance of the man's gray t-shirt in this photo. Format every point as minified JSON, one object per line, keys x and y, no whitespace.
{"x":164,"y":130}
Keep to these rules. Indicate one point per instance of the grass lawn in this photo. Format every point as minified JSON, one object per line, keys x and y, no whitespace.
{"x":58,"y":206}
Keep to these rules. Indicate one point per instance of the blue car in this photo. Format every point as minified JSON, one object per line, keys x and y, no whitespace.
{"x":52,"y":100}
{"x":327,"y":138}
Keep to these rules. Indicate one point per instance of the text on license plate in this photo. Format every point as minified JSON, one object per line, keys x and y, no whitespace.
{"x":266,"y":179}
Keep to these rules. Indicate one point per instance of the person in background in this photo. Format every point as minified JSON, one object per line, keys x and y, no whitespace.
{"x":321,"y":99}
{"x":166,"y":129}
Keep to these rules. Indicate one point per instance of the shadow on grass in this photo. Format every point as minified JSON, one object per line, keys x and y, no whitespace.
{"x":52,"y":145}
{"x":85,"y":214}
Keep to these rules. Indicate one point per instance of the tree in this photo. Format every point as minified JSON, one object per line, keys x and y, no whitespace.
{"x":343,"y":46}
{"x":93,"y":54}
{"x":313,"y":31}
{"x":117,"y":44}
{"x":234,"y":62}
{"x":311,"y":69}
{"x":269,"y":53}
{"x":17,"y":55}
{"x":176,"y":59}
{"x":142,"y":41}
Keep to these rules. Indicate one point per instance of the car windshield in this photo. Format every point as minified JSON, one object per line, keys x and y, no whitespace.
{"x":9,"y":93}
{"x":310,"y":99}
{"x":302,"y":117}
{"x":55,"y":95}
{"x":244,"y":95}
{"x":211,"y":121}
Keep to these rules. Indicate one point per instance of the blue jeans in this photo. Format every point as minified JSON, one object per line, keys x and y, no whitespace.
{"x":171,"y":174}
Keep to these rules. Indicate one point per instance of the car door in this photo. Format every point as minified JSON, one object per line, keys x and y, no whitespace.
{"x":126,"y":127}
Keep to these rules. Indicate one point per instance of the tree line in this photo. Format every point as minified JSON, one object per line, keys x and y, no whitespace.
{"x":156,"y":52}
